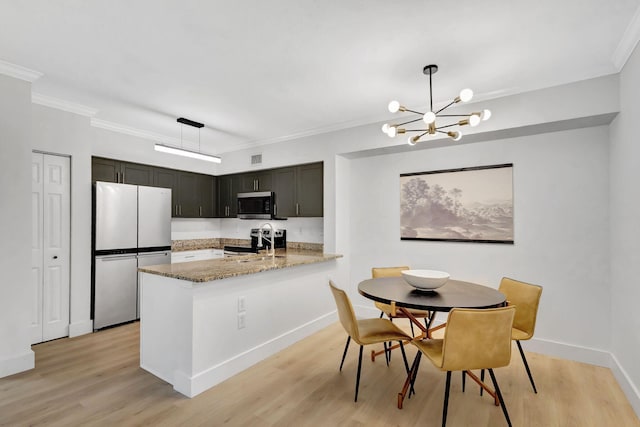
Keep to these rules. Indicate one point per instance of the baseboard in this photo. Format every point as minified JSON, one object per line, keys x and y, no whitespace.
{"x":196,"y":384}
{"x":15,"y":364}
{"x":80,"y":328}
{"x":627,"y":386}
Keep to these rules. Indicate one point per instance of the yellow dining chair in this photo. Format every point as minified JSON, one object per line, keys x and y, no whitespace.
{"x":365,"y":331}
{"x":473,"y":339}
{"x":526,"y":298}
{"x":377,"y":272}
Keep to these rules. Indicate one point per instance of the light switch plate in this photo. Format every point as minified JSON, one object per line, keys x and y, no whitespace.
{"x":242,"y":304}
{"x":242,"y":320}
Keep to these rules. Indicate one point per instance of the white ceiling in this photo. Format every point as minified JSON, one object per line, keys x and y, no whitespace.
{"x":256,"y":71}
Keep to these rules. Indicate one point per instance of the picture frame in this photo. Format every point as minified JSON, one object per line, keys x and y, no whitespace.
{"x":473,"y":204}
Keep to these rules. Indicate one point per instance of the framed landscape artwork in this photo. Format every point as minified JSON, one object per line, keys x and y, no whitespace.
{"x":458,"y":205}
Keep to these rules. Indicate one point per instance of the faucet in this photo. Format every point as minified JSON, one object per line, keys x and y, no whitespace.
{"x":272,"y":251}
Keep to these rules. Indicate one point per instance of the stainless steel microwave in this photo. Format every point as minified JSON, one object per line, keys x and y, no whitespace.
{"x":256,"y":205}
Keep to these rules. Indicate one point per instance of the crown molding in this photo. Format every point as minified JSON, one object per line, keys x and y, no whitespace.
{"x":62,"y":104}
{"x":19,"y":72}
{"x":628,"y":42}
{"x":128,"y":130}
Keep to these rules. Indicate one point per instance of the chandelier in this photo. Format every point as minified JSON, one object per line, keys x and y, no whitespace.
{"x":430,"y":117}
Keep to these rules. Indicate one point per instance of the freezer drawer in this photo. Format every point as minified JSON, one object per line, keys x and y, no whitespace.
{"x":116,"y":284}
{"x":151,"y":258}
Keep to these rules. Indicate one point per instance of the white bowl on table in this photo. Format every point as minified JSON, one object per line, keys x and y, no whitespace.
{"x":427,"y":280}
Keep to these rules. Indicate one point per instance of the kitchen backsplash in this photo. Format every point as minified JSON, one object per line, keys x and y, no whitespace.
{"x":309,"y":230}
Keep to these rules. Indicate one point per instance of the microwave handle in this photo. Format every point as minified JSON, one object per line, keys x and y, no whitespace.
{"x":275,"y":209}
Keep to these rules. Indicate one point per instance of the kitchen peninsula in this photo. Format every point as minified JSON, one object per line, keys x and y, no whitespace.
{"x":204,"y":321}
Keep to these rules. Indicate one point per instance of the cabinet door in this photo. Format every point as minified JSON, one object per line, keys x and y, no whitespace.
{"x":188,"y":195}
{"x":256,"y":181}
{"x":309,"y":190}
{"x":207,"y":190}
{"x":168,"y":178}
{"x":106,"y":170}
{"x":228,"y":186}
{"x":284,"y":187}
{"x":264,"y":180}
{"x":136,"y":174}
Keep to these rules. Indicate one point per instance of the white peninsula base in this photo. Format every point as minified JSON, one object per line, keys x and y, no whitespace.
{"x":196,"y":335}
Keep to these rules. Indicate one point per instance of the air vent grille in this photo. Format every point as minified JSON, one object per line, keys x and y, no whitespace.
{"x":256,"y":159}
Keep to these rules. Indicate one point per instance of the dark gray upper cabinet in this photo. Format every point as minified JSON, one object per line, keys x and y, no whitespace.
{"x":256,"y":181}
{"x":309,"y":190}
{"x":228,"y":188}
{"x":168,"y":178}
{"x":207,"y":190}
{"x":110,"y":170}
{"x":299,"y":190}
{"x":284,"y":187}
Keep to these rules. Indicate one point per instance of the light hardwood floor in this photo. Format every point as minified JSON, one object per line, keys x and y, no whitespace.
{"x":95,"y":380}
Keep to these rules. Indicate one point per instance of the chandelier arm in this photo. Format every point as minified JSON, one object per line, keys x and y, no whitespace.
{"x":414,"y":112}
{"x":417,"y":130}
{"x":445,"y":107}
{"x":447,"y":126}
{"x":454,"y":115}
{"x":410,"y":121}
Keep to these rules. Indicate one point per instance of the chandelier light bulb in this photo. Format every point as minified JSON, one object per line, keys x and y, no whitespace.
{"x":385,"y":128}
{"x":392,"y":132}
{"x":466,"y":95}
{"x":474,"y":120}
{"x":429,"y":117}
{"x":413,"y":140}
{"x":485,"y":115}
{"x":394,"y":106}
{"x":455,"y":135}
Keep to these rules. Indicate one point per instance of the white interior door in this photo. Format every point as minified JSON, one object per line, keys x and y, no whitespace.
{"x":51,"y":246}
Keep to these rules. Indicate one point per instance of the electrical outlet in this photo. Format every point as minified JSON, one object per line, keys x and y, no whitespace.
{"x":242,"y":320}
{"x":241,"y":304}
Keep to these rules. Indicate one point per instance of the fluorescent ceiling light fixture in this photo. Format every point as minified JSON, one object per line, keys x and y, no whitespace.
{"x":187,"y":153}
{"x":429,"y":118}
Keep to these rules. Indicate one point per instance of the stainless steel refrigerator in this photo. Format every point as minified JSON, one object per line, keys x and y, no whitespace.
{"x":132,"y":228}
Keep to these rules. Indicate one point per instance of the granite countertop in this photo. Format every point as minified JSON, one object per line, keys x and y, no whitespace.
{"x":222,"y":268}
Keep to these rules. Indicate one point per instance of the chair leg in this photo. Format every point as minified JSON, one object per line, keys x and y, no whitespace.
{"x":387,"y":352}
{"x":414,"y":372}
{"x":413,"y":334}
{"x":526,"y":365}
{"x":358,"y":374}
{"x":404,"y":357}
{"x":346,"y":347}
{"x":446,"y":399}
{"x":381,"y":314}
{"x":481,"y":379}
{"x":504,"y":407}
{"x":464,"y":380}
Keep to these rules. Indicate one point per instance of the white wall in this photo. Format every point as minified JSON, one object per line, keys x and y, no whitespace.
{"x":15,"y":226}
{"x":560,"y":183}
{"x":69,"y":134}
{"x":625,"y":232}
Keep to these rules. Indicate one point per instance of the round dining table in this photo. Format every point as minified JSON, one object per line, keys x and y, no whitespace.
{"x":453,"y":294}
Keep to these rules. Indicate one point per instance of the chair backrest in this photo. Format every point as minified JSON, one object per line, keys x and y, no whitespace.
{"x":477,"y":338}
{"x":387,"y":271}
{"x":345,"y":311}
{"x":526,"y":298}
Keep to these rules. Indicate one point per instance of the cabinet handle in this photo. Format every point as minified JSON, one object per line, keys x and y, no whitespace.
{"x":117,"y":176}
{"x":297,"y":209}
{"x":180,"y":209}
{"x":123,"y":177}
{"x":275,"y":209}
{"x":200,"y":210}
